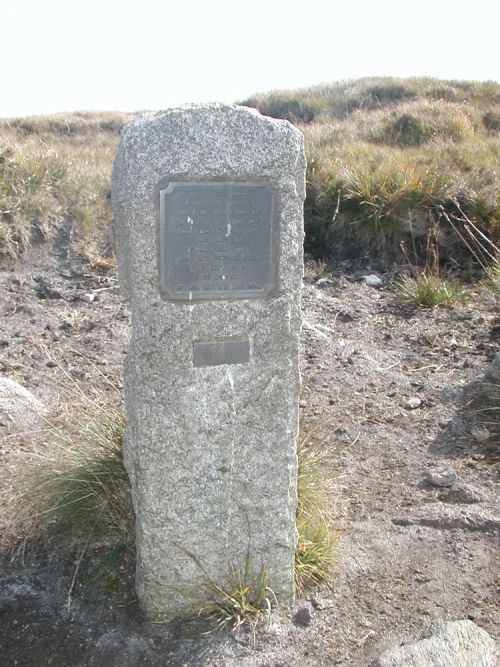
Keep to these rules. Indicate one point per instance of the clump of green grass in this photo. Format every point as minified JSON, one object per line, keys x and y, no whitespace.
{"x":75,"y":490}
{"x":316,"y":551}
{"x":493,"y":277}
{"x":55,"y":171}
{"x":491,"y":120}
{"x":386,"y":157}
{"x":419,"y":123}
{"x":246,"y":601}
{"x":429,"y":291}
{"x":405,"y":130}
{"x":425,"y":286}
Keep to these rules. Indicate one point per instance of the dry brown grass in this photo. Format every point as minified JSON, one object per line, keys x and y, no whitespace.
{"x":316,"y":551}
{"x":387,"y":156}
{"x":387,"y":159}
{"x":55,"y":170}
{"x":69,"y":487}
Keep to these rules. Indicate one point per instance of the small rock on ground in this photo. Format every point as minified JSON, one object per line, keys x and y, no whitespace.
{"x":19,"y":408}
{"x":304,"y":615}
{"x":463,"y":493}
{"x":372,"y":280}
{"x":443,"y":477}
{"x":412,"y":403}
{"x":323,"y":282}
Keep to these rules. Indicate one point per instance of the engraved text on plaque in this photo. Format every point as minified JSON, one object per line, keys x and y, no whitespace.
{"x":217,"y":240}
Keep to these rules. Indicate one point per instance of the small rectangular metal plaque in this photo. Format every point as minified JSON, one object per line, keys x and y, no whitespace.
{"x":217,"y":240}
{"x":221,"y":352}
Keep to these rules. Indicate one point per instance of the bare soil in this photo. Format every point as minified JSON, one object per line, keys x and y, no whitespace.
{"x":410,"y":552}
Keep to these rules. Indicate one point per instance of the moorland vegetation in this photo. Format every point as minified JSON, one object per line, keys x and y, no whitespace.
{"x":391,"y":162}
{"x":404,"y":172}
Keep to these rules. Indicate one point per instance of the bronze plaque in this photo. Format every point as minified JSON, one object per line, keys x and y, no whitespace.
{"x":221,"y":352}
{"x":217,"y":240}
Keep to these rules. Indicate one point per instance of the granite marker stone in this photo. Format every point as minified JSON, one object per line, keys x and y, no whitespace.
{"x":209,"y":229}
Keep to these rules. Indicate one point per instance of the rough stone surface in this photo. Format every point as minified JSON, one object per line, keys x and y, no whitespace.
{"x":449,"y":517}
{"x":210,"y":450}
{"x":19,"y":408}
{"x":442,"y":477}
{"x":372,"y":280}
{"x":453,"y":644}
{"x":412,"y":403}
{"x":304,"y":615}
{"x":89,"y":297}
{"x":493,"y":372}
{"x":462,"y":493}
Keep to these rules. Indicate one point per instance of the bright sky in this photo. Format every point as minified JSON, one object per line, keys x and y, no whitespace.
{"x":59,"y":55}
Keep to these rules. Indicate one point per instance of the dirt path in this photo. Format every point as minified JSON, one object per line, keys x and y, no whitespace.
{"x":389,"y":385}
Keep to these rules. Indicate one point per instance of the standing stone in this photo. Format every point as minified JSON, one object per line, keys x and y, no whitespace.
{"x":209,"y":230}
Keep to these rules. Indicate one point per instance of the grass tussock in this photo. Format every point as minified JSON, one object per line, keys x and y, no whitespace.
{"x":429,"y":291}
{"x":55,"y":178}
{"x":425,"y":286}
{"x":315,"y":555}
{"x":245,"y":602}
{"x":389,"y":159}
{"x":493,"y":277}
{"x":74,"y":491}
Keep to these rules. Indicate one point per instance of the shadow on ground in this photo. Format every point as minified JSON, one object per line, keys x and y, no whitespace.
{"x":473,"y":430}
{"x":41,"y":624}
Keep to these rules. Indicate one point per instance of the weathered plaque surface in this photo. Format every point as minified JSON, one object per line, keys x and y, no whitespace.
{"x":221,"y":352}
{"x":217,"y":240}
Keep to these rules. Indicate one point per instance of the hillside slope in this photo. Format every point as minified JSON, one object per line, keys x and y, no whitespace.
{"x":389,"y":160}
{"x":394,"y":394}
{"x":393,"y":160}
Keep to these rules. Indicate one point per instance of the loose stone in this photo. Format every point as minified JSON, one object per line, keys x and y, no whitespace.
{"x":304,"y":615}
{"x":412,"y":403}
{"x":442,"y":477}
{"x":452,"y":644}
{"x":372,"y":280}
